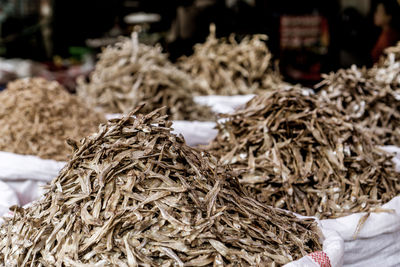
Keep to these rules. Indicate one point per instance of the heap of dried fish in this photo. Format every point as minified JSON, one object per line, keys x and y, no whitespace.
{"x":394,"y":50}
{"x":369,"y":97}
{"x":297,"y":155}
{"x":387,"y":72}
{"x":38,"y":116}
{"x":129,"y":73}
{"x":136,"y":195}
{"x":227,"y":67}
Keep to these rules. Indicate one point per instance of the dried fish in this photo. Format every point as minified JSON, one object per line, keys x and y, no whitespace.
{"x":387,"y":73}
{"x":392,"y":50}
{"x":227,"y":67}
{"x":296,"y":154}
{"x":37,"y":116}
{"x":129,"y":73}
{"x":116,"y":204}
{"x":368,"y":97}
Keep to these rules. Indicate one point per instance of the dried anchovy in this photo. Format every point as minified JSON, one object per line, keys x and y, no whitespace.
{"x":387,"y":71}
{"x":296,"y":154}
{"x":37,"y":116}
{"x":392,"y":50}
{"x":368,"y":97}
{"x":227,"y":67}
{"x":129,"y":73}
{"x":136,"y":195}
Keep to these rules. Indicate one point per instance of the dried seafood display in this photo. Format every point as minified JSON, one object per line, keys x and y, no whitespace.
{"x":369,"y":97}
{"x":38,"y":116}
{"x":394,"y":50}
{"x":134,"y":194}
{"x":129,"y":73}
{"x":228,"y":67}
{"x":387,"y":72}
{"x":297,"y":155}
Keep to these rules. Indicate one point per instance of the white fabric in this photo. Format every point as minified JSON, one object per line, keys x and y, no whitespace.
{"x":27,"y":190}
{"x":195,"y":132}
{"x":223,"y":104}
{"x":26,"y":167}
{"x":7,"y":198}
{"x":377,"y":243}
{"x":22,"y":178}
{"x":382,"y":250}
{"x":333,"y":246}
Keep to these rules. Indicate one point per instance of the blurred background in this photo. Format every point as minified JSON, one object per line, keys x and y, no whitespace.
{"x":59,"y":39}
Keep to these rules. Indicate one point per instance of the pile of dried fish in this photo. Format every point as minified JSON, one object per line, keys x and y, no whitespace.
{"x":38,"y":116}
{"x":136,"y":195}
{"x":129,"y":73}
{"x":387,"y":72}
{"x":297,"y":155}
{"x":394,"y":50}
{"x":227,"y":67}
{"x":368,"y":97}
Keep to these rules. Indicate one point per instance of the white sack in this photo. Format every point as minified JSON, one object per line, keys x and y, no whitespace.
{"x":377,"y":243}
{"x":27,"y":190}
{"x":23,"y":176}
{"x":7,"y":198}
{"x":223,"y":104}
{"x":195,"y":132}
{"x":26,"y":167}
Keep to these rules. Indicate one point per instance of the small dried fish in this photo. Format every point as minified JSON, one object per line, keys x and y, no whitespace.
{"x":368,"y":97}
{"x":227,"y":67}
{"x":392,"y":50}
{"x":129,"y":73}
{"x":296,"y":154}
{"x":132,"y":218}
{"x":37,"y":116}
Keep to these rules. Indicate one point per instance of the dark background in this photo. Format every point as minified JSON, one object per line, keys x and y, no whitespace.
{"x":71,"y":23}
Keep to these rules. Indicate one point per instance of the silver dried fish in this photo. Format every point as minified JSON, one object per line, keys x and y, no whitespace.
{"x":38,"y":116}
{"x":129,"y":73}
{"x":228,"y":67}
{"x":368,"y":97}
{"x":297,"y":154}
{"x":134,"y":217}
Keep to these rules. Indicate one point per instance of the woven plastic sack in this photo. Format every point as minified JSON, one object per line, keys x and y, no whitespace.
{"x":24,"y":177}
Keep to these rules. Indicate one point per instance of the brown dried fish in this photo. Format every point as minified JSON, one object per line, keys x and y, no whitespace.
{"x":37,"y":116}
{"x":134,"y":194}
{"x":394,"y":50}
{"x":368,"y":97}
{"x":387,"y":71}
{"x":129,"y":73}
{"x":298,"y":155}
{"x":227,"y":67}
